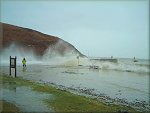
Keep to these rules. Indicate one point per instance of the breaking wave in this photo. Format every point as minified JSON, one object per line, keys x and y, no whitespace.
{"x":127,"y":65}
{"x":70,"y":59}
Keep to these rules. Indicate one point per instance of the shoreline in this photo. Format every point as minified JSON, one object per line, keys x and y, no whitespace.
{"x":65,"y":101}
{"x":89,"y":93}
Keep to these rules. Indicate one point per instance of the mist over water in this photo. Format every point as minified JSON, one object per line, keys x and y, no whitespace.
{"x":51,"y":56}
{"x":69,"y":58}
{"x":14,"y":50}
{"x":60,"y":54}
{"x":122,"y":79}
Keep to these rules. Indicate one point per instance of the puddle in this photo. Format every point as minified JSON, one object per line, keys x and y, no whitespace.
{"x":25,"y":98}
{"x":117,"y":85}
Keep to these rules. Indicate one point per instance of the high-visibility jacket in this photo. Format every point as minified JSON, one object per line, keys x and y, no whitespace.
{"x":23,"y":61}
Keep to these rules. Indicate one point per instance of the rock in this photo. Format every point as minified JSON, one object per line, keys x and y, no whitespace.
{"x":123,"y":111}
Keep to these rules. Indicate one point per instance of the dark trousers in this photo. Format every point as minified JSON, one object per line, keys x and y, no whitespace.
{"x":24,"y":65}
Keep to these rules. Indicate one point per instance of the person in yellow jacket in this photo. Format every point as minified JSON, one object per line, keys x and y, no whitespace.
{"x":24,"y":62}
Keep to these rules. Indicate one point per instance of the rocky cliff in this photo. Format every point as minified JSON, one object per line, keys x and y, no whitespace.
{"x":33,"y":40}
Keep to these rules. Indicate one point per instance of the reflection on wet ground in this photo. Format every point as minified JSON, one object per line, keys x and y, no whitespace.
{"x":110,"y":86}
{"x":24,"y":97}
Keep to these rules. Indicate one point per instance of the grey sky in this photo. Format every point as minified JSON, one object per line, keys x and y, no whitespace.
{"x":100,"y":28}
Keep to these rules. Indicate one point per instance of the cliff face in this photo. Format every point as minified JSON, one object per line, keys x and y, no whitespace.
{"x":33,"y":40}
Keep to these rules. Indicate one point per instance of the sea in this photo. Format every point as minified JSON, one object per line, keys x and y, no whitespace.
{"x":120,"y":81}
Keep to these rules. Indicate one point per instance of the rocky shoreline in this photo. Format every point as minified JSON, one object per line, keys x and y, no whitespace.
{"x":141,"y":106}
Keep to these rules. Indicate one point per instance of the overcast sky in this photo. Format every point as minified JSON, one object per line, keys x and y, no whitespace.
{"x":96,"y":28}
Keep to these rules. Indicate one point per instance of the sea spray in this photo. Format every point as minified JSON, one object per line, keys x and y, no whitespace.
{"x":69,"y":58}
{"x":20,"y":52}
{"x":52,"y":55}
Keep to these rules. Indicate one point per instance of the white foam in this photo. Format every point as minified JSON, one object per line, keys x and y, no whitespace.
{"x":70,"y":59}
